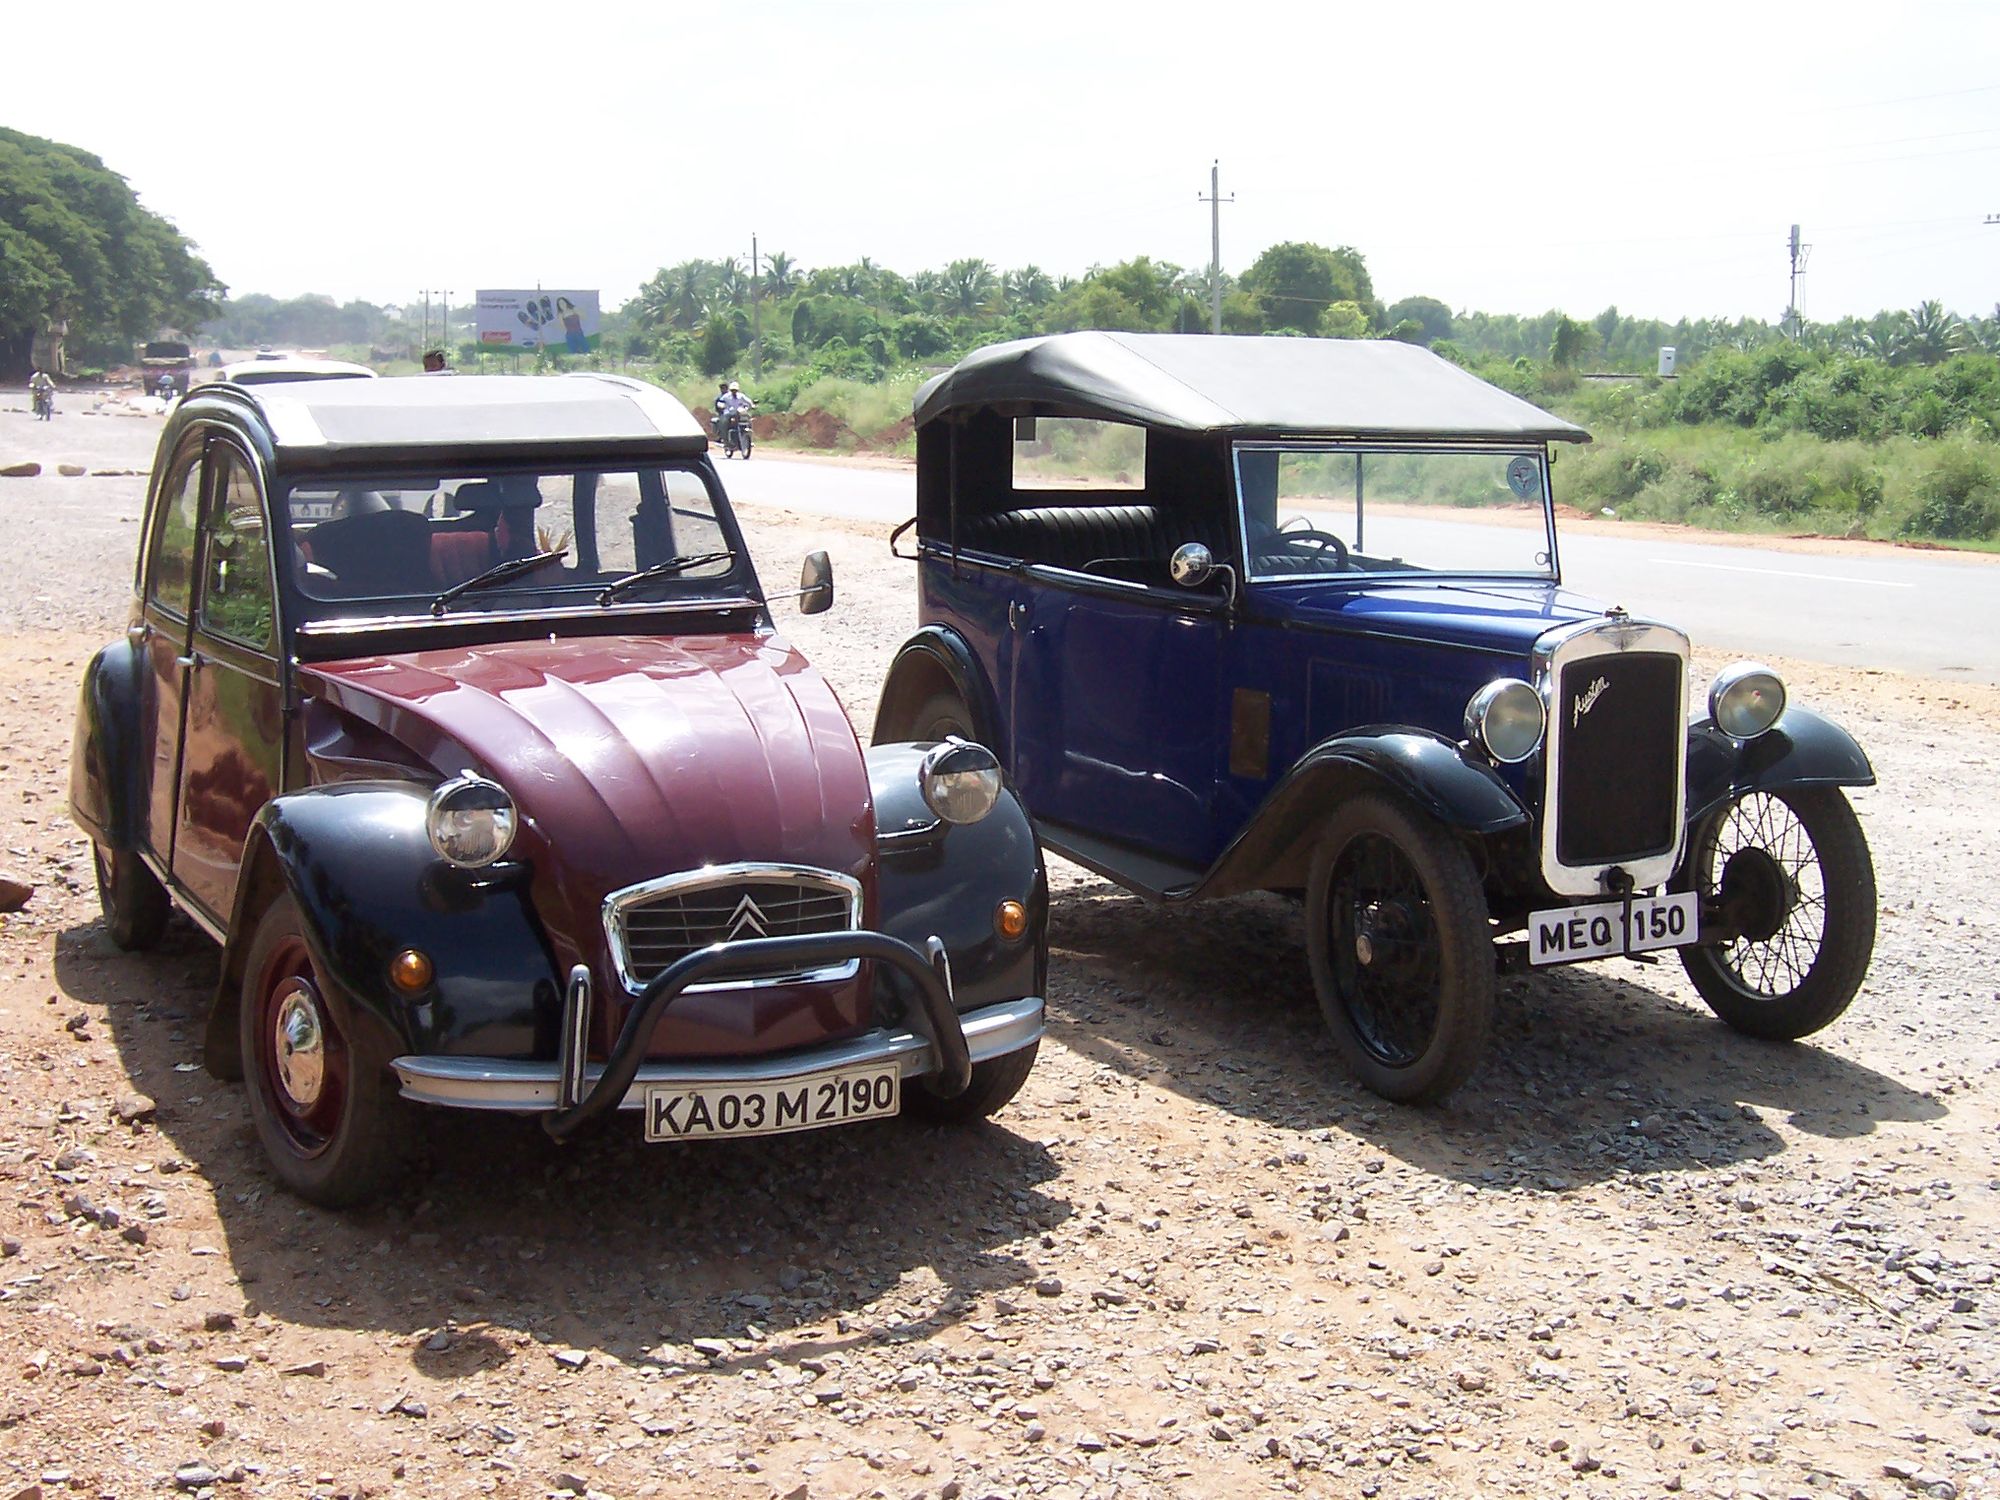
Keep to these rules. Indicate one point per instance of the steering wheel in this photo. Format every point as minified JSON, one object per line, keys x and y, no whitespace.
{"x":1326,"y":541}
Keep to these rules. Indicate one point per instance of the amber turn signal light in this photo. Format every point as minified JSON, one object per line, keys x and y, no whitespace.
{"x":1010,"y":920}
{"x":410,"y":970}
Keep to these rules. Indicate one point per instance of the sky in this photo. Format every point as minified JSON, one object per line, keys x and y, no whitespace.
{"x":1504,"y":158}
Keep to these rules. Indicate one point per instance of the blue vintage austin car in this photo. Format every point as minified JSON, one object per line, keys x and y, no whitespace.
{"x":1313,"y":637}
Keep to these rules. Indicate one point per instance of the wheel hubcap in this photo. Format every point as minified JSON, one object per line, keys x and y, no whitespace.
{"x":1758,"y":893}
{"x":301,"y":1046}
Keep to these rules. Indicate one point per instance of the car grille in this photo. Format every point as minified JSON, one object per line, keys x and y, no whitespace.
{"x":653,"y":925}
{"x":1618,"y":767}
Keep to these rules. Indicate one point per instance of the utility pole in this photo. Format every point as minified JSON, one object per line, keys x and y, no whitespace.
{"x":444,"y":321}
{"x":756,"y":315}
{"x":1800,"y":255}
{"x":1215,"y":200}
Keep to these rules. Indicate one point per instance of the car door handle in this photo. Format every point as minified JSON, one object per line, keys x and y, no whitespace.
{"x":188,"y":662}
{"x":1017,"y":613}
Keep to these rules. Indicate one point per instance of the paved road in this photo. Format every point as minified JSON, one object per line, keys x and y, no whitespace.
{"x":1922,"y":612}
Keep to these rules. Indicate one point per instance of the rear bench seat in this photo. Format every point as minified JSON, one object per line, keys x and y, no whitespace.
{"x":1070,"y":536}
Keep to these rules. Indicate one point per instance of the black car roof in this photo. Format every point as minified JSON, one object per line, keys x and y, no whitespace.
{"x":1199,"y":383}
{"x":414,"y":418}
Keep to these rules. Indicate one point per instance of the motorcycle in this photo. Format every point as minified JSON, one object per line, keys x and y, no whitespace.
{"x":166,"y":390}
{"x":45,"y":405}
{"x":736,"y":437}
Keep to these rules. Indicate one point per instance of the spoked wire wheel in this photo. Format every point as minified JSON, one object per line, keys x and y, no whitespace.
{"x":1401,"y":949}
{"x":1789,"y":872}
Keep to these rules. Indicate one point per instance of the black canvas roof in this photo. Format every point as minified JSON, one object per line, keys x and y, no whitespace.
{"x":414,"y":415}
{"x":1249,"y":386}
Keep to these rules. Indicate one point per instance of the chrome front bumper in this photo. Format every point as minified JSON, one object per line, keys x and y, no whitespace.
{"x":532,"y":1087}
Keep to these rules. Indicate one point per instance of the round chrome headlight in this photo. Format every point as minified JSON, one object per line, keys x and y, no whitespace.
{"x":1746,"y":699}
{"x":1506,"y":719}
{"x":471,"y":821}
{"x":960,"y":780}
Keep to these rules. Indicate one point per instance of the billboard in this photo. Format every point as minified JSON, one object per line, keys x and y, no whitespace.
{"x":564,"y":321}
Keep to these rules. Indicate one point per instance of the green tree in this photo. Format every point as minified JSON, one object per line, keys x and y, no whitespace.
{"x":1344,"y":320}
{"x":720,"y":343}
{"x":1432,"y":317}
{"x":1296,"y":281}
{"x":76,"y":245}
{"x":1568,"y":343}
{"x":1932,"y":335}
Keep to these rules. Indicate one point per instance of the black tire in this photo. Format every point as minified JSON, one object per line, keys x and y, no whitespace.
{"x":942,"y":713}
{"x":135,"y":904}
{"x":1792,"y":865}
{"x":744,"y":441}
{"x":347,"y":1140}
{"x":994,"y":1084}
{"x":1401,"y":950}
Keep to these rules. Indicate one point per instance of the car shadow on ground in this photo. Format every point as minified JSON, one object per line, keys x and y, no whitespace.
{"x":1592,"y":1071}
{"x":815,"y":1241}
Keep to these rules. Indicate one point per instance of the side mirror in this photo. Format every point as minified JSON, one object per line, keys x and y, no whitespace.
{"x":1192,"y":565}
{"x":816,"y":584}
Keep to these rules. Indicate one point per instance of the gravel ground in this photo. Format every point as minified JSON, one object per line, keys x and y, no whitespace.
{"x":1636,"y":1255}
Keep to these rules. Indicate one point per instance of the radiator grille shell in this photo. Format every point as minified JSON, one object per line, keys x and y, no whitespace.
{"x":1615,"y":792}
{"x":650,"y":925}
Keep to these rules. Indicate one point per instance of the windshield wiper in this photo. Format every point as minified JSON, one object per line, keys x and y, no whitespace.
{"x":665,"y":569}
{"x":514,"y":567}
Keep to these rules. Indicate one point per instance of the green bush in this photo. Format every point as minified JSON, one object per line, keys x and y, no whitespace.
{"x":1958,"y":498}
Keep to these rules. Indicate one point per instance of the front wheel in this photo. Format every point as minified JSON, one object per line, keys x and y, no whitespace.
{"x":325,"y":1109}
{"x":134,"y":902}
{"x":1401,"y":950}
{"x":1790,"y":871}
{"x":994,"y":1085}
{"x":940,"y":716}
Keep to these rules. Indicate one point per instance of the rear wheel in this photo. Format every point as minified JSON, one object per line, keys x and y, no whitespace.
{"x":134,"y":902}
{"x":1790,"y":871}
{"x":323,"y":1103}
{"x":994,"y":1084}
{"x":1401,"y":950}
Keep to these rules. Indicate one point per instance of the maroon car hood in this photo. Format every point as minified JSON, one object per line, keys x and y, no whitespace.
{"x":631,"y":757}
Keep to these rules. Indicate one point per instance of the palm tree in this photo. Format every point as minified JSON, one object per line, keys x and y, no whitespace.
{"x":781,"y":274}
{"x":729,"y":280}
{"x":1934,"y":334}
{"x":970,"y":284}
{"x":1028,"y":287}
{"x":684,"y":286}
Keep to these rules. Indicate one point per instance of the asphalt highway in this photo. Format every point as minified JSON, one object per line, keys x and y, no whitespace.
{"x":1936,"y":614}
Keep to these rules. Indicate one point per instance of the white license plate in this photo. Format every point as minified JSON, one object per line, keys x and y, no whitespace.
{"x":809,"y":1102}
{"x":1565,"y":934}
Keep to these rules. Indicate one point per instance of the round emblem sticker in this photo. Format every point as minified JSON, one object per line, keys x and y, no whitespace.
{"x":1524,"y":476}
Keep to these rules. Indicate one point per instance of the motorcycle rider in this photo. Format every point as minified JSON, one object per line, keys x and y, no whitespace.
{"x":721,"y":400}
{"x":41,"y":389}
{"x":166,"y":388}
{"x":732,"y":405}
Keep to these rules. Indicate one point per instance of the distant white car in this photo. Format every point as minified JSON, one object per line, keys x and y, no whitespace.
{"x":266,"y":369}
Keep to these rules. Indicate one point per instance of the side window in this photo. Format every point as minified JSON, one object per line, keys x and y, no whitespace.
{"x":236,"y":566}
{"x":170,"y":579}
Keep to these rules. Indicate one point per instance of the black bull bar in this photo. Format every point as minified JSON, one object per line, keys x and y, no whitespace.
{"x":936,"y":1017}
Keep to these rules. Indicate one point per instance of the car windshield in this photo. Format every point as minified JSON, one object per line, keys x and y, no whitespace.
{"x":1315,"y":510}
{"x":393,"y":543}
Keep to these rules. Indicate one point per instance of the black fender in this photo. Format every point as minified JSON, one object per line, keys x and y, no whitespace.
{"x":936,"y":658}
{"x":108,"y":777}
{"x":1426,"y":770}
{"x":357,"y":859}
{"x":1801,"y":749}
{"x":945,"y":880}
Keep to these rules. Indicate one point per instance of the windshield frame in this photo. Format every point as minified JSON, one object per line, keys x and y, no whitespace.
{"x":1551,"y":574}
{"x":521,"y":603}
